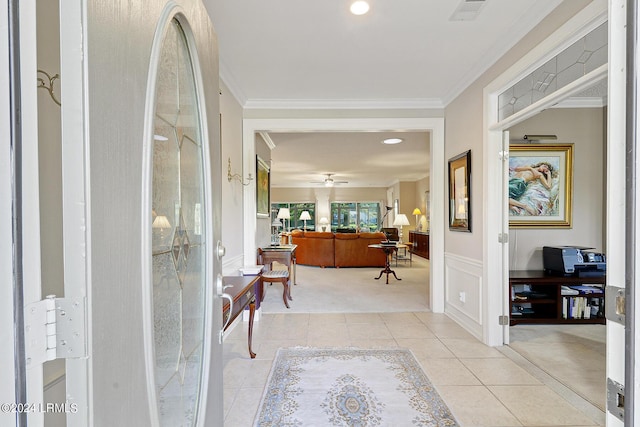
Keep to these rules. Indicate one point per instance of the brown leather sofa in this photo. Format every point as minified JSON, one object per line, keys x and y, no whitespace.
{"x":314,"y":248}
{"x":324,"y":249}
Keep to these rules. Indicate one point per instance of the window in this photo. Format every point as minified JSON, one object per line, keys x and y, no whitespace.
{"x":295,"y":210}
{"x":355,"y":216}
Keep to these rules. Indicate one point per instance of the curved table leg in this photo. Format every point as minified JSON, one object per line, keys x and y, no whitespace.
{"x":252,"y":311}
{"x":285,"y":293}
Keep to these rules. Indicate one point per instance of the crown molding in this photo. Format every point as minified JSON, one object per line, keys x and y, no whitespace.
{"x":268,"y":140}
{"x":343,"y":104}
{"x":227,"y":78}
{"x":529,"y":20}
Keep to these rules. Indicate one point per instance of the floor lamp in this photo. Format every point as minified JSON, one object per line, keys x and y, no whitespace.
{"x":417,"y":213}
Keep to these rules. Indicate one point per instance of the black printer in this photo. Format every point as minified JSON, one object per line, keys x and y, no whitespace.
{"x":573,"y":261}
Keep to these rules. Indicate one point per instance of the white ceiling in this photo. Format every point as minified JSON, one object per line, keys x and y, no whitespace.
{"x":301,"y":159}
{"x":403,"y":54}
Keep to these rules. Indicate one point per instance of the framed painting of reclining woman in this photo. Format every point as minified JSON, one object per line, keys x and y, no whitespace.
{"x":540,"y":185}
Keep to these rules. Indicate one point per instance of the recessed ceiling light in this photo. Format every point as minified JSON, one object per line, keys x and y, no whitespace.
{"x":392,"y":141}
{"x":359,"y":7}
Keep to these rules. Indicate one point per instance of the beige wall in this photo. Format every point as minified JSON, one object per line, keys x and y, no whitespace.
{"x":464,"y":129}
{"x":422,"y":187}
{"x":231,"y":142}
{"x":50,"y":153}
{"x":585,"y":129}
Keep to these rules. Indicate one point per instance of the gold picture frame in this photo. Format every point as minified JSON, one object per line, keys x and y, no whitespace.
{"x":459,"y":192}
{"x":263,"y":186}
{"x":540,"y":185}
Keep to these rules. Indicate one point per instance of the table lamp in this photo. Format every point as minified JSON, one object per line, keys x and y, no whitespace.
{"x":304,"y":216}
{"x":401,"y":219}
{"x":417,"y":213}
{"x":284,"y":213}
{"x":324,"y":221}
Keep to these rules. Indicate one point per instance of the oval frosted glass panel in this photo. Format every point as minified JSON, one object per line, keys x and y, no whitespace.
{"x":178,"y":235}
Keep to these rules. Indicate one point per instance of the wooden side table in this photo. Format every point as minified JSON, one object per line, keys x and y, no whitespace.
{"x":243,"y":290}
{"x":388,"y":250}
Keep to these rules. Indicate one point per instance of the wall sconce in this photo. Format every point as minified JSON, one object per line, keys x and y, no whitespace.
{"x":237,"y":176}
{"x":48,"y":83}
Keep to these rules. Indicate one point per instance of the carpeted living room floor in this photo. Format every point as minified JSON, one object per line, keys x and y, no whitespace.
{"x":354,"y":290}
{"x":346,"y":307}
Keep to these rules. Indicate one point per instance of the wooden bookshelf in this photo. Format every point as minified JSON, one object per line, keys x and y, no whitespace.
{"x":537,"y":297}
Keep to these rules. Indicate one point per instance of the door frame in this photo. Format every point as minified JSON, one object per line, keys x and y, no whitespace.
{"x":433,"y":126}
{"x":19,"y":191}
{"x":496,"y":276}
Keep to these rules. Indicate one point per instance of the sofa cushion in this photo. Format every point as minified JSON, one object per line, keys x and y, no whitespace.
{"x":318,"y":234}
{"x":314,"y":248}
{"x":355,"y":252}
{"x":347,"y":236}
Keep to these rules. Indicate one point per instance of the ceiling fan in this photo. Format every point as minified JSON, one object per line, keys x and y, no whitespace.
{"x":329,"y":182}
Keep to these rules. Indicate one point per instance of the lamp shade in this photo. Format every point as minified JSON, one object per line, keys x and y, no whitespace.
{"x":305,"y":216}
{"x":324,"y":220}
{"x":284,"y":213}
{"x":401,"y":219}
{"x":161,"y":221}
{"x":416,"y":211}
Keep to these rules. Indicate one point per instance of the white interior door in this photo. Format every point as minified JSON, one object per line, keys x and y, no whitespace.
{"x":140,"y":140}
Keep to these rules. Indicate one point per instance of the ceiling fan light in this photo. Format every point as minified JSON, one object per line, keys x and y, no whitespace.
{"x":328,"y":183}
{"x":391,"y":141}
{"x":359,"y":7}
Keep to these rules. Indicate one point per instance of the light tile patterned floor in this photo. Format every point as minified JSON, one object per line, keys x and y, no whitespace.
{"x":482,"y":386}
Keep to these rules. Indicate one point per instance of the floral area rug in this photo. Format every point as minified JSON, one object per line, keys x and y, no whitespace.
{"x":349,"y":387}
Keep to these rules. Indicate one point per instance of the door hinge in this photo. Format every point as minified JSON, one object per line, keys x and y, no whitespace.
{"x":615,"y":399}
{"x":55,"y":328}
{"x":503,"y":155}
{"x":503,"y":237}
{"x":503,"y":320}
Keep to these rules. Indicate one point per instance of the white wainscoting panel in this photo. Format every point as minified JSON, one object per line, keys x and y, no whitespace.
{"x":463,"y":292}
{"x":232,"y":266}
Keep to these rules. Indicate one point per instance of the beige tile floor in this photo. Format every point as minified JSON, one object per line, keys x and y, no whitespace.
{"x":482,"y":386}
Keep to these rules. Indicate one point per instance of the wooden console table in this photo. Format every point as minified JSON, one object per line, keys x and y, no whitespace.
{"x":243,"y":291}
{"x":543,"y":301}
{"x":420,"y":240}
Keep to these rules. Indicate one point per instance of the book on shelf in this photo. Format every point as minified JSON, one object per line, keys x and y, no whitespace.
{"x":581,"y":307}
